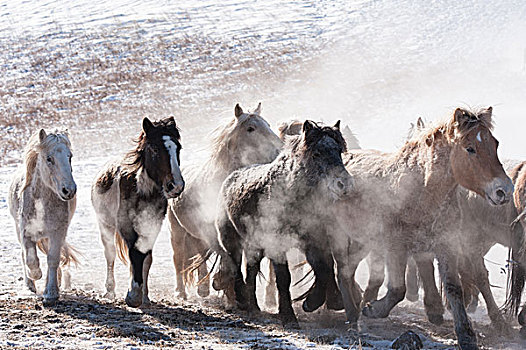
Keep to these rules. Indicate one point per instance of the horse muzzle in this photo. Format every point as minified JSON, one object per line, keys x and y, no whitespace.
{"x":499,"y":191}
{"x":173,"y":189}
{"x":67,"y":192}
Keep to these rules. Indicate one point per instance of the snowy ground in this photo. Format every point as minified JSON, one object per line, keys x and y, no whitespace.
{"x":98,"y":68}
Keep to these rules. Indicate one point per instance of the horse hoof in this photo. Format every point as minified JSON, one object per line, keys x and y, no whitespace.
{"x":411,"y":297}
{"x":133,"y":300}
{"x":31,"y":285}
{"x":49,"y":300}
{"x":290,"y":321}
{"x":35,"y":274}
{"x":181,"y":294}
{"x":436,"y":319}
{"x":373,"y":312}
{"x":109,"y":295}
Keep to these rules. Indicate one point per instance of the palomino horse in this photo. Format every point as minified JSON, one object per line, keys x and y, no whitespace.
{"x":42,"y":201}
{"x":130,"y":198}
{"x":403,"y":193}
{"x":247,"y":139}
{"x":265,"y":210}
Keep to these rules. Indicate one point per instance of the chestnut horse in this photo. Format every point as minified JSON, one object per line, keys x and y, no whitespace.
{"x":247,"y":139}
{"x":401,"y":194}
{"x":130,"y":198}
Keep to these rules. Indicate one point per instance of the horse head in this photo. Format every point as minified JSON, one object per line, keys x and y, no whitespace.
{"x":54,"y":163}
{"x":474,"y":160}
{"x":160,"y":146}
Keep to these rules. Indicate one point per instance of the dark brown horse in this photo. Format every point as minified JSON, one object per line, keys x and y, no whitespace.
{"x":130,"y":198}
{"x":265,"y":210}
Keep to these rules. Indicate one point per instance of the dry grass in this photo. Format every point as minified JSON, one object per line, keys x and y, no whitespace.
{"x":94,"y":83}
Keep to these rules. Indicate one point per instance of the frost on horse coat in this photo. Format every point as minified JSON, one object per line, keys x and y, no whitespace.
{"x":42,"y":201}
{"x":401,"y":194}
{"x":130,"y":198}
{"x":265,"y":210}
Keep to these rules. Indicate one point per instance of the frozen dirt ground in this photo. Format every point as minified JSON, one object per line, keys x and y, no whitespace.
{"x":98,"y":68}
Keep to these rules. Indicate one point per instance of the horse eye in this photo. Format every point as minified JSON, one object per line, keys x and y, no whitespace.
{"x":49,"y":160}
{"x":250,"y":129}
{"x":470,"y":150}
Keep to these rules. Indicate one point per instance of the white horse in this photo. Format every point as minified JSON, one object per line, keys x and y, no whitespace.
{"x":42,"y":202}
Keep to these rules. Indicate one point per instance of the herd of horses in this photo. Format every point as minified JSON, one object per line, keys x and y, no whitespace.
{"x":443,"y":195}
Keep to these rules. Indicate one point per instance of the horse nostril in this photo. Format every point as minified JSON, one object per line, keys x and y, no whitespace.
{"x":500,"y":193}
{"x":170,"y":186}
{"x":65,"y":191}
{"x":340,"y":185}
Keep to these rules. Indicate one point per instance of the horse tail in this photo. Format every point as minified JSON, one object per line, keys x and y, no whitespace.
{"x":122,"y":248}
{"x":196,"y":261}
{"x":68,"y":254}
{"x":517,"y":266}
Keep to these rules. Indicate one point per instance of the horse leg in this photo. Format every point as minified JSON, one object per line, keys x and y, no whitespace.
{"x":376,"y":263}
{"x":51,"y":293}
{"x":447,"y":265}
{"x":31,"y":261}
{"x":411,"y":278}
{"x":231,"y":260}
{"x":333,"y":296}
{"x":270,"y":288}
{"x":286,"y":313}
{"x":482,"y":282}
{"x":253,"y":267}
{"x":177,"y":238}
{"x":107,"y":234}
{"x":318,"y":260}
{"x":203,"y":287}
{"x":134,"y":295}
{"x":346,"y":264}
{"x":145,"y":272}
{"x":396,"y":265}
{"x":432,"y":299}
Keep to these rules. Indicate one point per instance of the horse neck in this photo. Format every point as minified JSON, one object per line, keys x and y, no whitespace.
{"x":432,"y":165}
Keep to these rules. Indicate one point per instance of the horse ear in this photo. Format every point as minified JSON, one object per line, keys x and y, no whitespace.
{"x":308,"y":126}
{"x":238,"y":111}
{"x":42,"y":135}
{"x":337,"y":125}
{"x":420,"y":123}
{"x":258,"y":109}
{"x":147,"y":125}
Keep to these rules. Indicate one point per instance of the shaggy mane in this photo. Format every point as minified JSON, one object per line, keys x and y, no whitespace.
{"x":297,"y":143}
{"x":134,"y":159}
{"x":35,"y":147}
{"x":451,"y":129}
